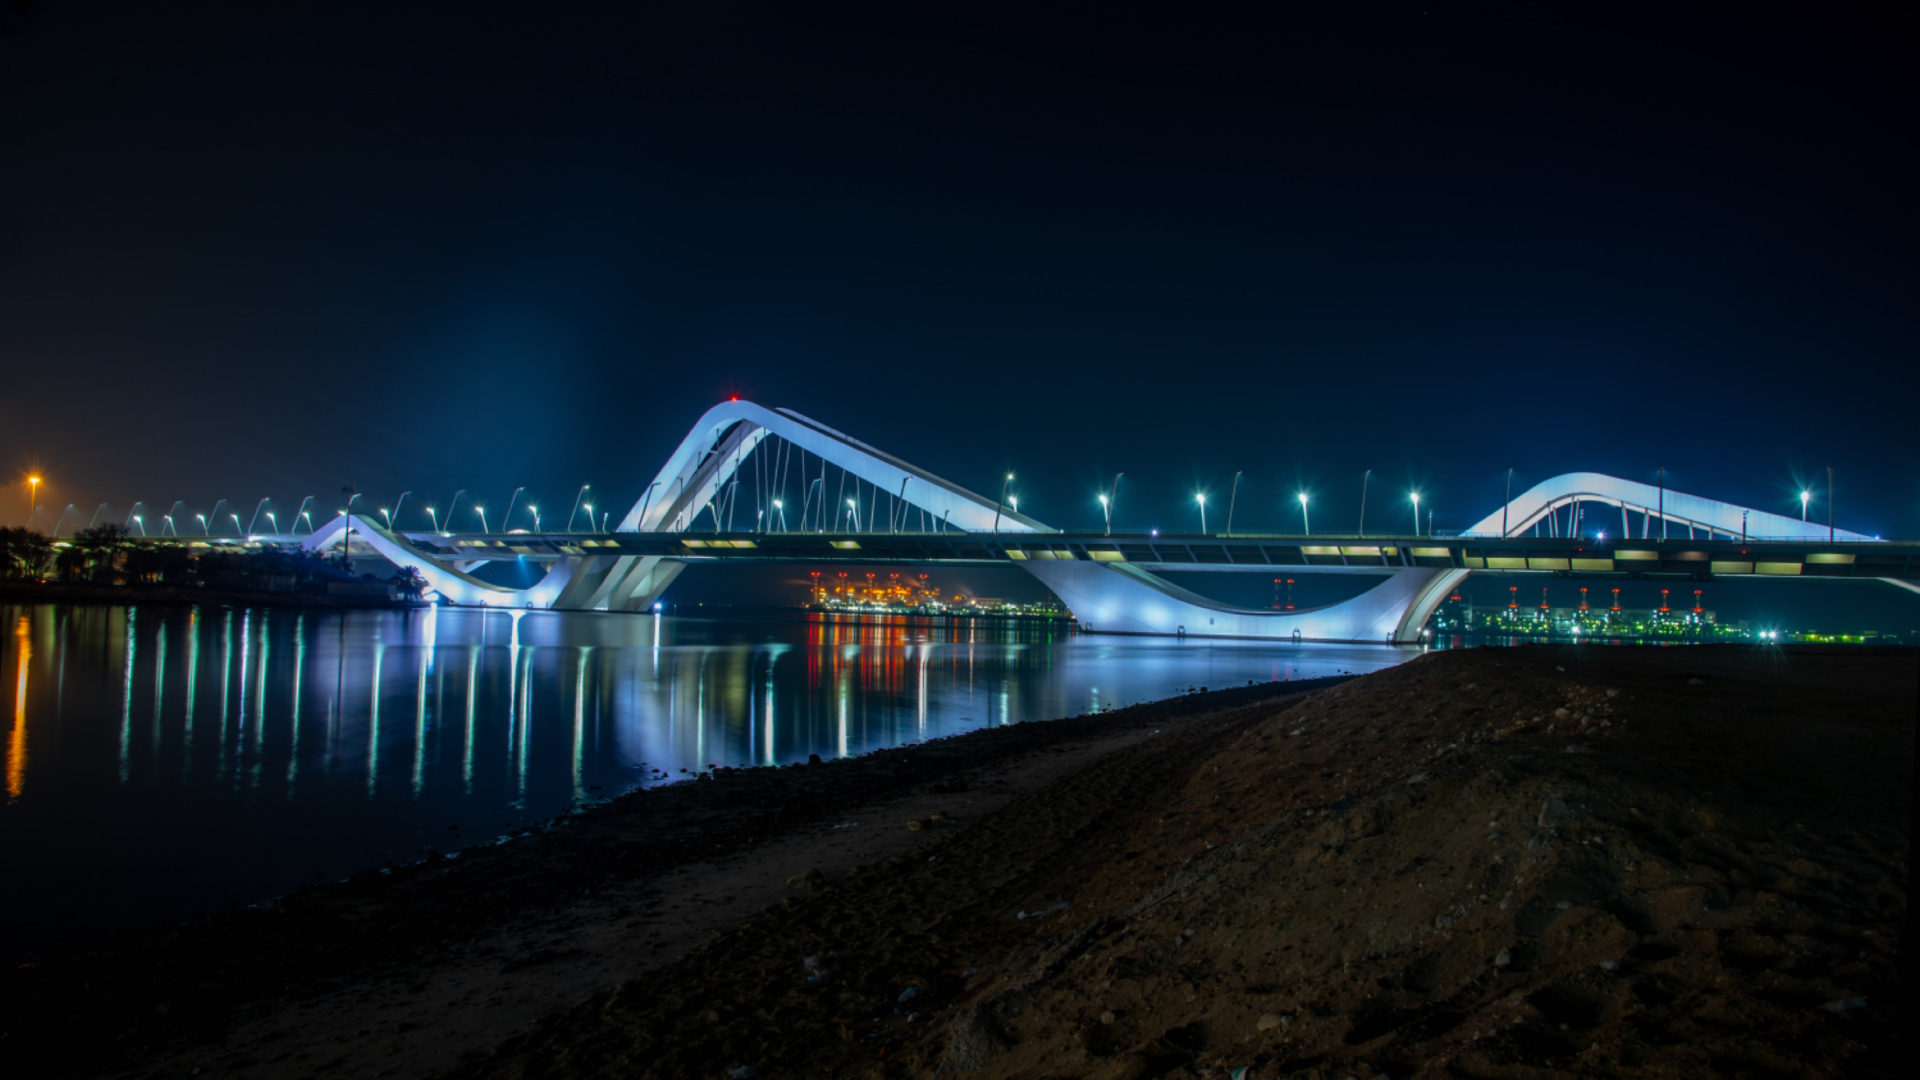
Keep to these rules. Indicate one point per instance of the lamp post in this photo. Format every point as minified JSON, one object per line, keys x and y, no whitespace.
{"x":203,"y":524}
{"x":482,"y":511}
{"x":1202,"y":500}
{"x":1364,"y":478}
{"x":140,"y":524}
{"x":1113,"y":499}
{"x":506,"y":519}
{"x":1002,"y":502}
{"x":236,"y":523}
{"x":255,"y":519}
{"x":1506,"y":505}
{"x":576,"y":508}
{"x":434,"y":518}
{"x":1805,"y":497}
{"x":1663,"y":502}
{"x":454,"y":504}
{"x":853,"y":514}
{"x":779,"y":510}
{"x":1106,"y":512}
{"x":346,"y":540}
{"x":1416,"y":514}
{"x":1232,"y":497}
{"x":535,"y":511}
{"x":1829,"y":504}
{"x":388,"y":517}
{"x":215,"y":513}
{"x":302,"y":513}
{"x":396,"y":508}
{"x":1306,"y":523}
{"x":94,"y":518}
{"x":33,"y":498}
{"x":168,"y":525}
{"x":272,"y":523}
{"x":589,"y":507}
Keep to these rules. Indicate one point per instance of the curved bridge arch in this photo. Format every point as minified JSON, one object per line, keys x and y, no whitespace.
{"x":713,"y":452}
{"x":1652,"y":503}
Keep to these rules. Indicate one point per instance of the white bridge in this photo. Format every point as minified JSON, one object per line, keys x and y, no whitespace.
{"x":882,"y":509}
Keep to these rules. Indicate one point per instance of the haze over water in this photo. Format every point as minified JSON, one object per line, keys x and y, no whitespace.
{"x":165,"y":760}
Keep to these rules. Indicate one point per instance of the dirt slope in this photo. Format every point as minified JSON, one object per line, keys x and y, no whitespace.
{"x":1501,"y":863}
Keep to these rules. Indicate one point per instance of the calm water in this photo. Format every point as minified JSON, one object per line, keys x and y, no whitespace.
{"x":166,"y":760}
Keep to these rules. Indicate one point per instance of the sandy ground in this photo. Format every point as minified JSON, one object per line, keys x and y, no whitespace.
{"x":410,"y":971}
{"x":1516,"y":863}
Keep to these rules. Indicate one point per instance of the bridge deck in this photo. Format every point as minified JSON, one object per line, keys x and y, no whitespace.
{"x":1629,"y":557}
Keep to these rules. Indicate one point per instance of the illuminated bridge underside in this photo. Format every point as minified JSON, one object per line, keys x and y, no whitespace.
{"x":1108,"y":583}
{"x":1118,"y":598}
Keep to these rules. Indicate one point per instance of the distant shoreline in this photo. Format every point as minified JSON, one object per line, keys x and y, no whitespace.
{"x":48,"y":593}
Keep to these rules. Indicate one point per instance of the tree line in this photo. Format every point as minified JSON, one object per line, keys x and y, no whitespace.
{"x":107,"y":555}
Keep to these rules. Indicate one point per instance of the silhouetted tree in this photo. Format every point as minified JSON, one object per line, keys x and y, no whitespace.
{"x":24,"y":554}
{"x":410,"y":581}
{"x":99,"y":551}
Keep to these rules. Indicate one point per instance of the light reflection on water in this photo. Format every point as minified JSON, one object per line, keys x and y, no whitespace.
{"x":161,"y":760}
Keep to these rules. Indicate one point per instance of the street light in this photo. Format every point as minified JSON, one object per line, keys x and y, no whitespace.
{"x":236,"y":523}
{"x":1416,"y":513}
{"x":397,"y":503}
{"x":1306,"y":523}
{"x":168,"y":525}
{"x":1106,"y":511}
{"x":1003,"y":499}
{"x":141,"y":524}
{"x":1805,"y":497}
{"x":535,"y":511}
{"x":576,"y":508}
{"x":1231,"y":499}
{"x":203,"y":524}
{"x":433,"y":517}
{"x":388,"y":517}
{"x":1202,"y":500}
{"x":272,"y":523}
{"x":853,"y":514}
{"x":482,"y":511}
{"x":506,"y":519}
{"x":779,"y":510}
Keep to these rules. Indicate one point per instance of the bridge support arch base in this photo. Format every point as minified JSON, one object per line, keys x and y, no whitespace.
{"x":1121,"y":599}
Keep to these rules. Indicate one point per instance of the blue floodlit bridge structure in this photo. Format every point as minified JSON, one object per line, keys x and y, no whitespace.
{"x":900,"y":514}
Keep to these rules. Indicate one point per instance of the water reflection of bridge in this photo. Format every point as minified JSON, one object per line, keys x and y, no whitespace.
{"x":898,"y":513}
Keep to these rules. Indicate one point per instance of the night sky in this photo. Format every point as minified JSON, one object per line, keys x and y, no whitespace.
{"x":263,"y":249}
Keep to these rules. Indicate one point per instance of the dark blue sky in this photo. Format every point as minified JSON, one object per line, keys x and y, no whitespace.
{"x":258,"y":250}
